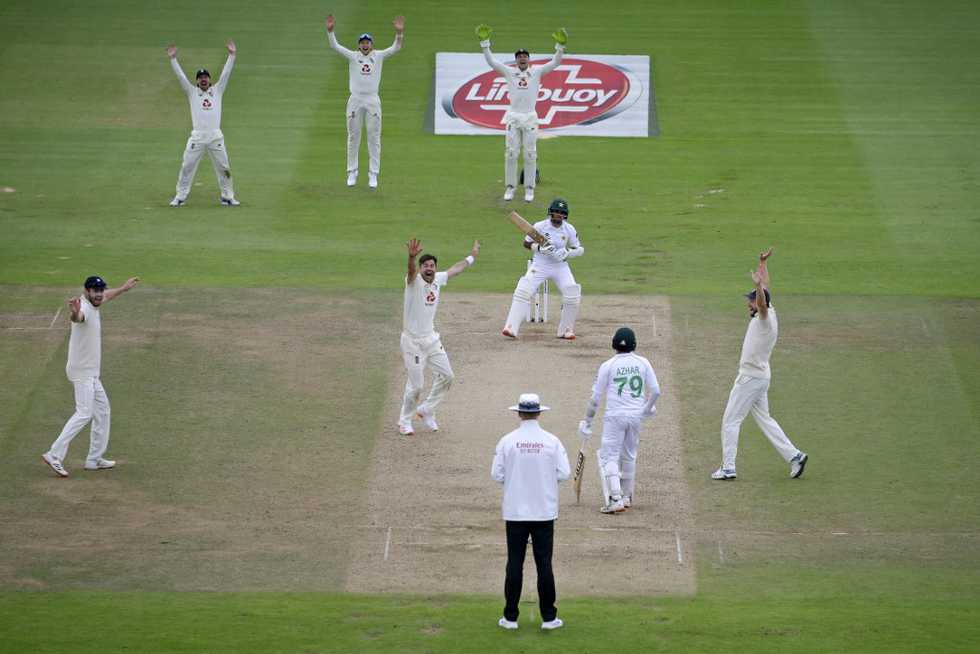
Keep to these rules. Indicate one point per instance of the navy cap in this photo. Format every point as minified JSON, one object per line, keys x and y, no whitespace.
{"x":522,"y":51}
{"x":751,"y":296}
{"x":201,"y":73}
{"x":95,"y":282}
{"x":365,"y":37}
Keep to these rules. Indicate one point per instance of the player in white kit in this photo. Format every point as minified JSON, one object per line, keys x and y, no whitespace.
{"x":364,"y":105}
{"x":206,"y":135}
{"x":629,"y":385}
{"x":420,"y":341}
{"x":549,"y":262}
{"x":750,"y":393}
{"x":521,"y":119}
{"x":84,"y":371}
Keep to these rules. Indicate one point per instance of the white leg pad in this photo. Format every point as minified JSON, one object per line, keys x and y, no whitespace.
{"x":520,"y":305}
{"x":571,"y":298}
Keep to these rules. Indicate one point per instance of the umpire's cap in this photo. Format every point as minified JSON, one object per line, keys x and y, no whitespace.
{"x":95,"y":282}
{"x":624,"y":340}
{"x":529,"y":403}
{"x":202,"y":73}
{"x":751,"y":296}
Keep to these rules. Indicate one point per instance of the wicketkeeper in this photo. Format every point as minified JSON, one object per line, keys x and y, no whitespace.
{"x":521,"y":119}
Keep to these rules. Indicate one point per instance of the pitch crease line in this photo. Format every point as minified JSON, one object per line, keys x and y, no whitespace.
{"x":55,"y":319}
{"x":387,"y":543}
{"x":680,"y":553}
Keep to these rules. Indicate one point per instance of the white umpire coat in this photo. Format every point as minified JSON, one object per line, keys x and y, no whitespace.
{"x":530,"y":462}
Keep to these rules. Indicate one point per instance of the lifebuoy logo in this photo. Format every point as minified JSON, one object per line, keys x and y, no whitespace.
{"x":578,"y":91}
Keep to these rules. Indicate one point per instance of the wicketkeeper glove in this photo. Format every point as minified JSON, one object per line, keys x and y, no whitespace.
{"x":560,"y":36}
{"x":483,"y":32}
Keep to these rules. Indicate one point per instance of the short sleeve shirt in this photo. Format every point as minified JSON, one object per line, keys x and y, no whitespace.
{"x":421,"y":302}
{"x":85,"y":344}
{"x":626,"y":380}
{"x":760,"y":339}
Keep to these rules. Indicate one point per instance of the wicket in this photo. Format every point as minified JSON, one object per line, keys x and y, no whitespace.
{"x":537,"y":311}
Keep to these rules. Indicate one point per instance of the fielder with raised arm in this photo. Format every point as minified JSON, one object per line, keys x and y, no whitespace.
{"x":420,"y":341}
{"x":550,"y":261}
{"x":206,"y":135}
{"x":521,"y":118}
{"x":750,"y":393}
{"x":364,"y":105}
{"x":630,"y":387}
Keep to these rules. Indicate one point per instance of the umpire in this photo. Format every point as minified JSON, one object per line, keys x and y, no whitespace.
{"x":530,"y":462}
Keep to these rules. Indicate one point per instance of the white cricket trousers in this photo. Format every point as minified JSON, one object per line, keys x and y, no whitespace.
{"x":91,"y":405}
{"x":359,"y":112}
{"x":751,"y":394}
{"x":195,"y":149}
{"x":522,"y":131}
{"x":417,"y":354}
{"x":528,"y":284}
{"x":617,"y":452}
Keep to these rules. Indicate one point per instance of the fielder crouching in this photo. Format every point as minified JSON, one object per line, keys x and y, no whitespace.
{"x":550,"y":262}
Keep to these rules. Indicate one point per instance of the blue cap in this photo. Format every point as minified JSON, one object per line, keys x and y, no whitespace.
{"x":95,"y":282}
{"x":365,"y":37}
{"x":751,"y":296}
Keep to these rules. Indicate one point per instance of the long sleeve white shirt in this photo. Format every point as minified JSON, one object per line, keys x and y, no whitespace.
{"x":560,"y":237}
{"x":85,"y":344}
{"x":629,"y":385}
{"x":760,"y":339}
{"x":365,"y":70}
{"x":530,"y":462}
{"x":205,"y":105}
{"x":522,"y":85}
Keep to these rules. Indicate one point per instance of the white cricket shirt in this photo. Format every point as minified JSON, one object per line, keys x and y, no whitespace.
{"x":629,"y":384}
{"x":85,"y":344}
{"x":421,"y":302}
{"x":560,"y":237}
{"x":522,"y":85}
{"x":530,"y":462}
{"x":365,"y":70}
{"x":205,"y":105}
{"x":760,"y":339}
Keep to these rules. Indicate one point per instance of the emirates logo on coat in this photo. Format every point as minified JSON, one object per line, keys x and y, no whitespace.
{"x":579,"y":91}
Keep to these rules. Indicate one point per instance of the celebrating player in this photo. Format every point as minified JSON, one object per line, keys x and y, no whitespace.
{"x":420,"y":342}
{"x":751,"y":390}
{"x":205,"y":101}
{"x":549,"y":262}
{"x":631,"y":390}
{"x":521,"y":119}
{"x":364,"y":105}
{"x":84,"y":371}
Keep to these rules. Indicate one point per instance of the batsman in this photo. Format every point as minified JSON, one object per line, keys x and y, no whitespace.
{"x":550,"y":261}
{"x":630,"y":387}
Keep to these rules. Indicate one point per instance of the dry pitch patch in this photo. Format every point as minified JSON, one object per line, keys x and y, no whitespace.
{"x":432,"y":512}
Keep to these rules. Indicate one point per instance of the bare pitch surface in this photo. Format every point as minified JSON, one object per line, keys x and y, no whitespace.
{"x":240,"y":427}
{"x":432,"y":513}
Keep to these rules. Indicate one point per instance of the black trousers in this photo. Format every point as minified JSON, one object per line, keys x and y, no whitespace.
{"x":542,"y":535}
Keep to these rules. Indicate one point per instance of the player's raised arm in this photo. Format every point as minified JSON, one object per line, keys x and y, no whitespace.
{"x":112,"y":293}
{"x":331,"y":22}
{"x":460,"y":266}
{"x":229,"y":64}
{"x":760,"y":277}
{"x":561,"y":38}
{"x":75,"y":310}
{"x":483,"y":33}
{"x":178,"y":71}
{"x":399,"y":25}
{"x":414,"y":249}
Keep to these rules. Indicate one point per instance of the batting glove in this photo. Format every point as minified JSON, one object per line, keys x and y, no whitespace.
{"x":559,"y":254}
{"x":560,"y":36}
{"x":483,"y":32}
{"x":585,"y":429}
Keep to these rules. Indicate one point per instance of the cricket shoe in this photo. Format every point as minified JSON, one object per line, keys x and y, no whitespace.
{"x":230,"y":202}
{"x":796,"y":465}
{"x":428,"y":419}
{"x":614,"y":506}
{"x":100,"y":464}
{"x":627,"y":501}
{"x":372,"y":180}
{"x":507,"y":624}
{"x":507,"y":332}
{"x":723,"y":474}
{"x":568,"y":336}
{"x":508,"y":194}
{"x":529,"y":194}
{"x":177,"y":202}
{"x":55,"y":464}
{"x":352,"y":178}
{"x":405,"y":430}
{"x":552,"y":624}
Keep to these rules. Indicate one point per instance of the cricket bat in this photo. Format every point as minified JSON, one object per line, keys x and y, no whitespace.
{"x":584,"y":433}
{"x":527,"y":228}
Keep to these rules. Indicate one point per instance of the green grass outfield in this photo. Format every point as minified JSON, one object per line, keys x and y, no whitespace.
{"x":843,"y":133}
